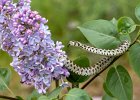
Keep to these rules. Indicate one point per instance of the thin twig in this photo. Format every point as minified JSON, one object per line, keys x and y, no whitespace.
{"x":9,"y":98}
{"x":85,"y":85}
{"x":115,"y":59}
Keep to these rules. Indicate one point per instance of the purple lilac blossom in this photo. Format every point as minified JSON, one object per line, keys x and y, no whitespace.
{"x":24,"y":35}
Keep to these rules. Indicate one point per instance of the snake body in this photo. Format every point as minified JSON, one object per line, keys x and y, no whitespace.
{"x":114,"y":52}
{"x":93,"y":70}
{"x":100,"y":65}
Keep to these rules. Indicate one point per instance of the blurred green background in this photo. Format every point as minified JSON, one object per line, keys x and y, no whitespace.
{"x":63,"y":18}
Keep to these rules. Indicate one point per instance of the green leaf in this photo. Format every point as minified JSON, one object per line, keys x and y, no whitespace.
{"x":134,"y":58}
{"x":77,"y":94}
{"x":114,"y":21}
{"x":33,"y":96}
{"x":107,"y":90}
{"x":55,"y":93}
{"x":126,"y":25}
{"x":43,"y":98}
{"x":19,"y":98}
{"x":123,"y":37}
{"x":107,"y":97}
{"x":82,"y":61}
{"x":52,"y":95}
{"x":137,"y":12}
{"x":100,"y":33}
{"x":5,"y":75}
{"x":119,"y":83}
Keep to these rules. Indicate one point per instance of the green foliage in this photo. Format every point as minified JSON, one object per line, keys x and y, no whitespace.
{"x":82,"y":61}
{"x":64,"y":16}
{"x":137,"y":12}
{"x":134,"y":58}
{"x":119,"y":83}
{"x":114,"y":21}
{"x":5,"y":75}
{"x":123,"y":37}
{"x":108,"y":97}
{"x":126,"y":25}
{"x":108,"y":92}
{"x":33,"y":96}
{"x":77,"y":94}
{"x":55,"y":93}
{"x":100,"y":33}
{"x":19,"y":98}
{"x":50,"y":96}
{"x":43,"y":98}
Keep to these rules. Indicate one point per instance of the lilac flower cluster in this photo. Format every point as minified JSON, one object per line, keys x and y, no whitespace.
{"x":24,"y":35}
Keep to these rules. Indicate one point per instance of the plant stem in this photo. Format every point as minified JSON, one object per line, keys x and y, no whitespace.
{"x":57,"y":85}
{"x":115,"y":59}
{"x":9,"y":98}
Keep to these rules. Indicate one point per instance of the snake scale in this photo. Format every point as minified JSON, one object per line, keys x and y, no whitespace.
{"x":100,"y":65}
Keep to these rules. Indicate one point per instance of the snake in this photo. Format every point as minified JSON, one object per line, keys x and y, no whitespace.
{"x":101,"y":64}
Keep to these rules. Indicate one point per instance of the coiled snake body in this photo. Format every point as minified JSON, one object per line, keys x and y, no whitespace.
{"x":100,"y":65}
